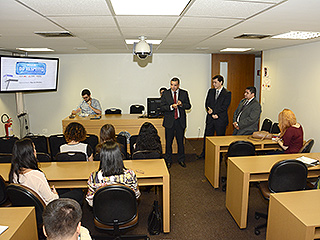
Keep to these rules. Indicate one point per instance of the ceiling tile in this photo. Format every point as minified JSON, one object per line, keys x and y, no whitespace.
{"x":85,"y":21}
{"x":206,"y":22}
{"x":146,"y":21}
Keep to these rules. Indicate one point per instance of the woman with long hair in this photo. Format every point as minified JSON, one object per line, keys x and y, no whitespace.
{"x":148,"y":138}
{"x":291,"y":132}
{"x":111,"y":171}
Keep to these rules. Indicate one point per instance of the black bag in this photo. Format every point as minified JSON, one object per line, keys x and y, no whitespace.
{"x":155,"y":220}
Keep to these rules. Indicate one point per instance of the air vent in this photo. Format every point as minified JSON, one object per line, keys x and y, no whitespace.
{"x":54,"y":34}
{"x":252,"y":36}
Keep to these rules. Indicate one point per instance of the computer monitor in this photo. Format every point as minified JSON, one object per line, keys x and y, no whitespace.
{"x":153,"y":107}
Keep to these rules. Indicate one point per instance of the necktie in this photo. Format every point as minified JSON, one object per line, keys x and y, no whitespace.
{"x":244,"y":104}
{"x":217,"y":94}
{"x":176,"y":109}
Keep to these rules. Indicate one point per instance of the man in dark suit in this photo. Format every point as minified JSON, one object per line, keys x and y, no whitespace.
{"x":217,"y":104}
{"x":247,"y":115}
{"x":174,"y":102}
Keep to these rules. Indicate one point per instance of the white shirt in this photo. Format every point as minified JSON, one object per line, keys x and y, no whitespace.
{"x":177,"y":96}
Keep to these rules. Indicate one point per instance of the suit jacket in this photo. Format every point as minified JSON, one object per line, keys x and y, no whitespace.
{"x":219,"y":106}
{"x":167,"y":101}
{"x":249,"y":118}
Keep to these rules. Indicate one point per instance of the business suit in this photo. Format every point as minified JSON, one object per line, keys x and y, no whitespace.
{"x":174,"y":127}
{"x":248,"y":121}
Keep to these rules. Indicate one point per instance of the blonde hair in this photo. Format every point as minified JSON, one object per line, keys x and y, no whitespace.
{"x":286,"y":119}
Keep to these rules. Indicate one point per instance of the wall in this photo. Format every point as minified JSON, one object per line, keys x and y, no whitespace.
{"x":117,"y":81}
{"x":294,"y":74}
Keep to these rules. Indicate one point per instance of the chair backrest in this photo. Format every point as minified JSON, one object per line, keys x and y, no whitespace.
{"x":55,"y":141}
{"x":122,"y":206}
{"x":43,"y":157}
{"x":5,"y":157}
{"x":146,"y":154}
{"x":136,"y":108}
{"x":123,"y":141}
{"x":132,"y":141}
{"x":92,"y":140}
{"x":306,"y":148}
{"x":288,"y":175}
{"x":6,"y":144}
{"x":22,"y":196}
{"x":241,"y":148}
{"x":275,"y":128}
{"x":266,"y":125}
{"x":41,"y":143}
{"x":113,"y":111}
{"x":3,"y":193}
{"x":70,"y":157}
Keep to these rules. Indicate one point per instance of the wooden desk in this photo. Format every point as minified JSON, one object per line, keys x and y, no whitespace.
{"x":122,"y":122}
{"x":243,"y":170}
{"x":21,"y":221}
{"x":76,"y":174}
{"x":294,"y":215}
{"x":218,"y":144}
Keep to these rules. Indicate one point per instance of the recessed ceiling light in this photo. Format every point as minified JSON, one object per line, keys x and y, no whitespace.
{"x":235,"y":49}
{"x":132,"y":41}
{"x":299,"y":35}
{"x":149,"y":7}
{"x":36,"y":49}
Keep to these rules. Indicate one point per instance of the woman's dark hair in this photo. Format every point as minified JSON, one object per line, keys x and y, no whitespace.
{"x":107,"y":134}
{"x":111,"y":162}
{"x":148,"y":138}
{"x":76,"y":132}
{"x":22,"y":157}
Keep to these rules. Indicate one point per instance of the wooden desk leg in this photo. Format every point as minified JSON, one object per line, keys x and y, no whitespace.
{"x":166,"y":204}
{"x":212,"y":163}
{"x":237,"y":194}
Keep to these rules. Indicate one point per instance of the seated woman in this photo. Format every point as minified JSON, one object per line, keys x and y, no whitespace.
{"x":74,"y":134}
{"x":25,"y":171}
{"x":111,"y":171}
{"x":291,"y":132}
{"x":148,"y":139}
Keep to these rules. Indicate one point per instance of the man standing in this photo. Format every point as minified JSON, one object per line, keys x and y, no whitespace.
{"x":217,"y":104}
{"x":174,"y":102}
{"x":246,"y":117}
{"x":89,"y":105}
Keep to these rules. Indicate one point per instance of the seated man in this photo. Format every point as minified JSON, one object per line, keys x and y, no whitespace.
{"x":89,"y":105}
{"x":61,"y":220}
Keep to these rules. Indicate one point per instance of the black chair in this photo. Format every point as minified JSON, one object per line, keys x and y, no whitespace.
{"x":5,"y":157}
{"x":6,"y":144}
{"x":113,"y":111}
{"x":266,"y":125}
{"x":43,"y":157}
{"x":136,"y":109}
{"x":55,"y":141}
{"x":285,"y":176}
{"x":275,"y":128}
{"x":120,"y":213}
{"x":238,"y":149}
{"x":132,"y":141}
{"x":40,"y":142}
{"x":306,"y":148}
{"x":70,"y":157}
{"x":92,"y":140}
{"x":146,"y":154}
{"x":123,"y":141}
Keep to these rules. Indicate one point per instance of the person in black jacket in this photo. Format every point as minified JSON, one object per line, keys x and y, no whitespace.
{"x":174,"y":103}
{"x":217,"y":104}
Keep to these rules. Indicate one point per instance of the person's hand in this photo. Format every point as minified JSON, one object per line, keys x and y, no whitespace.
{"x":175,"y":105}
{"x":53,"y":189}
{"x":179,"y":103}
{"x":236,"y":126}
{"x":215,"y":116}
{"x":210,"y":111}
{"x":89,"y":103}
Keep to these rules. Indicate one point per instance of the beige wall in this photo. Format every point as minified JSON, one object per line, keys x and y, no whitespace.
{"x":117,"y":81}
{"x":294,"y":73}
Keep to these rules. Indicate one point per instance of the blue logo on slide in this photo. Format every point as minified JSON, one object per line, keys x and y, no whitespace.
{"x":31,"y":68}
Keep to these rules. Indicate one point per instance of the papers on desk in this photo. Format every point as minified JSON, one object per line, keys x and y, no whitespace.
{"x":309,"y":162}
{"x":3,"y":228}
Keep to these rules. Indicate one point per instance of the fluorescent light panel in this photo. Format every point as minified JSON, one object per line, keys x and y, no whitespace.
{"x":235,"y":49}
{"x":149,"y":7}
{"x":299,"y":35}
{"x":36,"y":49}
{"x":132,"y":41}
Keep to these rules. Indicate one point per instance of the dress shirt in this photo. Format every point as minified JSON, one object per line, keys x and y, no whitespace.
{"x":177,"y":95}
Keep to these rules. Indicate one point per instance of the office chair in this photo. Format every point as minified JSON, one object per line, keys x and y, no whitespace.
{"x":136,"y":109}
{"x":5,"y":157}
{"x":113,"y":111}
{"x":120,"y":213}
{"x":266,"y":125}
{"x":275,"y":128}
{"x":70,"y":157}
{"x":306,"y":148}
{"x":6,"y":144}
{"x":55,"y":141}
{"x":132,"y":141}
{"x":92,"y":140}
{"x":146,"y":154}
{"x":237,"y":149}
{"x":43,"y":157}
{"x":122,"y":140}
{"x":40,"y":142}
{"x":285,"y":176}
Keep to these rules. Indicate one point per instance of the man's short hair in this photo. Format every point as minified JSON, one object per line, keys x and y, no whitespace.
{"x":252,"y":90}
{"x":175,"y":79}
{"x":162,"y":89}
{"x":61,"y":218}
{"x":85,"y":92}
{"x":219,"y":78}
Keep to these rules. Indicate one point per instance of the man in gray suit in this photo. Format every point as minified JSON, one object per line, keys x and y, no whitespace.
{"x":246,"y":117}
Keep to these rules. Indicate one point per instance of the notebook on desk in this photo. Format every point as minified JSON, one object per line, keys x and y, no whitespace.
{"x":309,"y":162}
